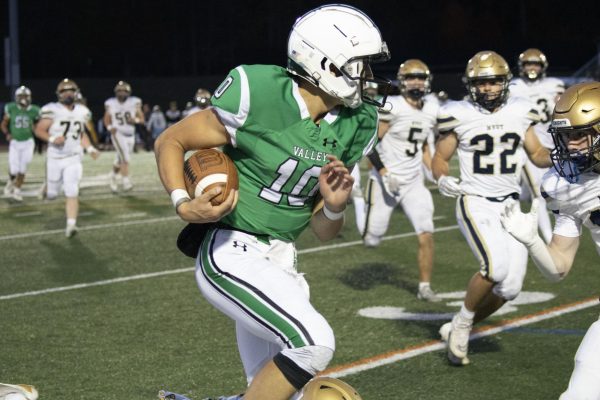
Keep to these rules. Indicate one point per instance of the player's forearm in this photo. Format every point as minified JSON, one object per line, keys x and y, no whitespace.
{"x":439,"y":166}
{"x":553,"y":263}
{"x":541,"y":158}
{"x":4,"y":126}
{"x":169,"y":157}
{"x":325,"y":228}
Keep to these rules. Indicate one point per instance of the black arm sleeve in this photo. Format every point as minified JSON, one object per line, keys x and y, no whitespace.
{"x":375,"y":160}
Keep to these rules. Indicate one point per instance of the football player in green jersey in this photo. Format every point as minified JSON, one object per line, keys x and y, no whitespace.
{"x":17,"y":124}
{"x":294,"y":135}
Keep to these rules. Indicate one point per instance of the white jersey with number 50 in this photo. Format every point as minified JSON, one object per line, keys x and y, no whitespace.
{"x":401,"y":149}
{"x":490,"y":145}
{"x":120,"y":113}
{"x":67,"y":123}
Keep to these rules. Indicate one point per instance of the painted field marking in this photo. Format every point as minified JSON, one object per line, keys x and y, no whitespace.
{"x":87,"y":228}
{"x":177,"y":271}
{"x":391,"y":357}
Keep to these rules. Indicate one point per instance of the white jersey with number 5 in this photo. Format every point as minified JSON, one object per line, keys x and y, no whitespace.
{"x":401,"y":149}
{"x":120,"y":113}
{"x":490,"y":145}
{"x":67,"y":123}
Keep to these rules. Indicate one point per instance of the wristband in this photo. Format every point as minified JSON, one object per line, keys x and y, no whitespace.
{"x":51,"y":139}
{"x":137,"y":120}
{"x":109,"y":127}
{"x":179,"y":196}
{"x":331,"y":215}
{"x":91,"y":149}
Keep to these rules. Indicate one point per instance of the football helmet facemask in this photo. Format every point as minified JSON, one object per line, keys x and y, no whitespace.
{"x":532,"y":56}
{"x":329,"y":389}
{"x":66,"y":91}
{"x":411,"y":69}
{"x":202,"y":98}
{"x":575,"y":129}
{"x":122,"y":90}
{"x":23,"y":96}
{"x":487,"y":66}
{"x":333,"y":48}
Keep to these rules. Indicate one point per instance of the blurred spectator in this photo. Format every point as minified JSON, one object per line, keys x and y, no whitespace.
{"x":146,"y":110}
{"x":156,"y":123}
{"x":188,"y":107}
{"x":172,"y":114}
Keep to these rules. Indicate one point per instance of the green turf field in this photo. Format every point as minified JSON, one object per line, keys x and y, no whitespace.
{"x":114,"y":312}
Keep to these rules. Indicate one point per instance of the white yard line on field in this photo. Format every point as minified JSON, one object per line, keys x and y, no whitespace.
{"x":435,"y":345}
{"x":176,"y":271}
{"x":87,"y":228}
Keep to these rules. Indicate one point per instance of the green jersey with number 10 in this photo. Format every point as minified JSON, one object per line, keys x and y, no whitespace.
{"x":278,"y":149}
{"x":21,"y":120}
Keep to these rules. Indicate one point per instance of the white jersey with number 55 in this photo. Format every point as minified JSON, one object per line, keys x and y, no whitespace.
{"x":123,"y":113}
{"x":401,"y":149}
{"x":490,"y":145}
{"x":67,"y":123}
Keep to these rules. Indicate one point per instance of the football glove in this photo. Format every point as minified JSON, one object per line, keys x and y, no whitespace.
{"x":390,"y":183}
{"x":522,"y":226}
{"x":449,"y":186}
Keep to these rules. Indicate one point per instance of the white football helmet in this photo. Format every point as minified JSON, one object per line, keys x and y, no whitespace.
{"x":23,"y":96}
{"x":333,"y":47}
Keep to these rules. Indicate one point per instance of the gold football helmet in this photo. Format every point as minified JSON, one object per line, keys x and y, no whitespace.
{"x":329,"y":389}
{"x":23,"y":96}
{"x":66,"y":91}
{"x":575,"y":129}
{"x":532,"y":56}
{"x":122,"y":90}
{"x":202,"y":98}
{"x":414,"y":68}
{"x":487,"y":66}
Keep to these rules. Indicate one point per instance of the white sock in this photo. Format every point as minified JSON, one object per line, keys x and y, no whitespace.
{"x":466,"y":314}
{"x":17,"y":190}
{"x":71,"y":221}
{"x":424,"y":285}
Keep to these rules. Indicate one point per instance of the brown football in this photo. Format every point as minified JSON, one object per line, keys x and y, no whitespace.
{"x":206,"y":169}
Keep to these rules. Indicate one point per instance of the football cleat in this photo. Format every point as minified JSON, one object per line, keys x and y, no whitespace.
{"x":71,"y":231}
{"x":113,"y":183}
{"x":17,"y":392}
{"x":445,"y":331}
{"x":127,"y":185}
{"x":458,"y":340}
{"x":8,"y":189}
{"x":16,"y":195}
{"x":427,"y":294}
{"x":165,"y":395}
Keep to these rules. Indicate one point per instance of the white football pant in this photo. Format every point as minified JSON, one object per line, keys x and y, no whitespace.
{"x":257,"y":285}
{"x":585,"y":381}
{"x":20,"y":155}
{"x":124,"y":145}
{"x":66,"y":172}
{"x":502,"y":258}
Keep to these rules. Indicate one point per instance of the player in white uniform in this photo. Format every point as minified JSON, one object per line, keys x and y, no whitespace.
{"x":201,"y":101}
{"x":533,"y":84}
{"x":396,"y":177}
{"x":572,"y":191}
{"x":121,"y":114}
{"x":492,"y":134}
{"x":62,"y":125}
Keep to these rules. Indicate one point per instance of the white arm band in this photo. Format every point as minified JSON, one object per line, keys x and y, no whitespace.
{"x":51,"y":139}
{"x":179,"y":196}
{"x":543,"y":260}
{"x":91,"y":149}
{"x":331,"y":215}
